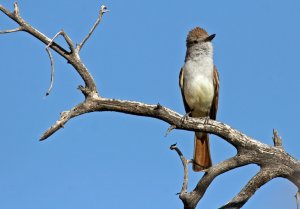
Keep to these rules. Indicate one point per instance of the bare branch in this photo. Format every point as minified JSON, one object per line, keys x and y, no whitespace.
{"x":11,"y":30}
{"x":71,"y":46}
{"x":274,"y":161}
{"x":250,"y":150}
{"x":171,"y":128}
{"x":261,"y":178}
{"x":52,"y":70}
{"x":66,"y":37}
{"x":185,"y":163}
{"x":64,"y":118}
{"x":103,"y":9}
{"x":72,"y":58}
{"x":190,"y":200}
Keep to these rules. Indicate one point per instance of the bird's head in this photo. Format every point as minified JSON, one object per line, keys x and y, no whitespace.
{"x":198,"y":36}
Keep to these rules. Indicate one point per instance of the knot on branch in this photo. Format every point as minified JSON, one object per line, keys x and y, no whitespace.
{"x":87,"y":92}
{"x":158,"y":107}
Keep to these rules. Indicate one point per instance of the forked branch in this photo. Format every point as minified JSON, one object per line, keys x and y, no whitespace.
{"x":71,"y":46}
{"x":71,"y":57}
{"x":273,"y":161}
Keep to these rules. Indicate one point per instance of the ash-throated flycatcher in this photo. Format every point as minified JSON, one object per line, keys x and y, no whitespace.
{"x":199,"y":83}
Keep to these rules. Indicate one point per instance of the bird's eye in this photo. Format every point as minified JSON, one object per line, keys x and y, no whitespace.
{"x":195,"y":42}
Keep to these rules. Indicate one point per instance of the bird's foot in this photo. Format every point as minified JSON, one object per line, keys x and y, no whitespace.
{"x":206,"y":119}
{"x":185,"y":117}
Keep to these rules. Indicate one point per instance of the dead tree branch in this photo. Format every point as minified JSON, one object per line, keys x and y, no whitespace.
{"x":71,"y":57}
{"x":11,"y":30}
{"x":103,"y":9}
{"x":273,"y":161}
{"x":52,"y":69}
{"x":71,"y":46}
{"x":185,"y":164}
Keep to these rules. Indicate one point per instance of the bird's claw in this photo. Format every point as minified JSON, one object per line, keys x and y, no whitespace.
{"x":185,"y":117}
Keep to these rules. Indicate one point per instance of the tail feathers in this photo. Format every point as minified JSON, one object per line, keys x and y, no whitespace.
{"x":202,"y":159}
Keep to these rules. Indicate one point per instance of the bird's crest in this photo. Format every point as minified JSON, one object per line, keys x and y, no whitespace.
{"x":196,"y":34}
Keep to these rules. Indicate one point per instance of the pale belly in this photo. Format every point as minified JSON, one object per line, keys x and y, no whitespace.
{"x":199,"y":93}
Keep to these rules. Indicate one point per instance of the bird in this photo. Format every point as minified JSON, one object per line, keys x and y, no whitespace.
{"x":199,"y":84}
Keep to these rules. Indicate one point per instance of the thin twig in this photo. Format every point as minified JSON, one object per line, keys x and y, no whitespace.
{"x":72,"y":58}
{"x":66,"y":37}
{"x":103,"y":9}
{"x":185,"y":163}
{"x":171,"y":128}
{"x":71,"y":46}
{"x":297,"y":195}
{"x":52,"y":71}
{"x":11,"y":30}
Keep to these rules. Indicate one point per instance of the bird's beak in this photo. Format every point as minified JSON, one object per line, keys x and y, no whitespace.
{"x":210,"y":38}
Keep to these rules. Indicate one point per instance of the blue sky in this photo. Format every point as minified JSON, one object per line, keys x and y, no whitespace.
{"x":113,"y":160}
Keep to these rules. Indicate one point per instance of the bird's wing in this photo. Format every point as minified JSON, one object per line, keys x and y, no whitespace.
{"x":214,"y":106}
{"x":187,"y":108}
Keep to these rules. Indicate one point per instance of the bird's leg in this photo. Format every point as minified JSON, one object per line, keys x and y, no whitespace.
{"x":185,"y":117}
{"x":206,"y":119}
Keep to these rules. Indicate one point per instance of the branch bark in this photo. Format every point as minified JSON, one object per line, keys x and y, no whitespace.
{"x":273,"y":161}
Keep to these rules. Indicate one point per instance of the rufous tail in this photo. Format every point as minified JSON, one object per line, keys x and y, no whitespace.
{"x":202,"y":159}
